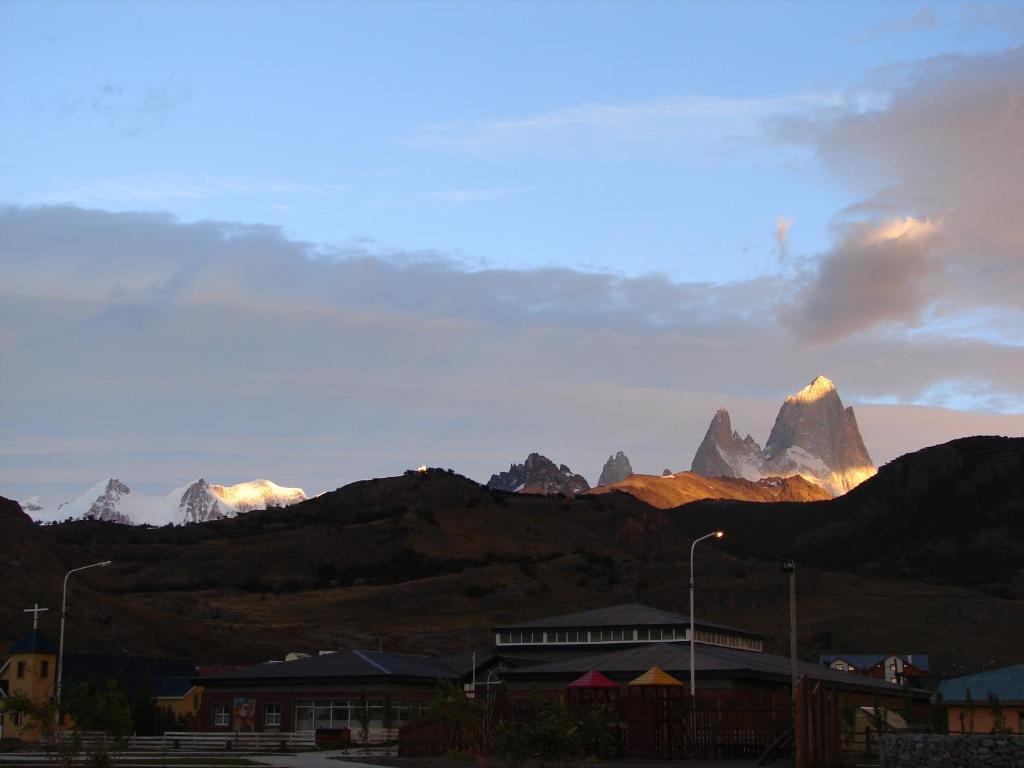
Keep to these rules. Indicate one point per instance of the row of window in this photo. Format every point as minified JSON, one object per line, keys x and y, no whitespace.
{"x":311,"y":715}
{"x":644,"y":635}
{"x":729,"y":641}
{"x":562,"y":636}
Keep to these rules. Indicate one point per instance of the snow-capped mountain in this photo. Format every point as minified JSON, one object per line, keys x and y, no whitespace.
{"x":538,"y":474}
{"x":113,"y":501}
{"x":814,"y":436}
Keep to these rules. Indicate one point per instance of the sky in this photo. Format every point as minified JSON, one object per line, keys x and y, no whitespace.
{"x":320,"y":242}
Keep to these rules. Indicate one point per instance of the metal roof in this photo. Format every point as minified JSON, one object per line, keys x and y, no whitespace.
{"x":624,"y":615}
{"x":343,"y":664}
{"x":626,"y":664}
{"x":869,"y":660}
{"x":33,"y":642}
{"x":1006,"y":683}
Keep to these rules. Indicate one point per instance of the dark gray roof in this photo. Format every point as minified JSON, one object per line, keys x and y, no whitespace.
{"x":164,"y":677}
{"x":710,"y":661}
{"x":625,"y":615}
{"x":352,"y":665}
{"x":869,"y":660}
{"x":33,"y":642}
{"x":1007,"y":683}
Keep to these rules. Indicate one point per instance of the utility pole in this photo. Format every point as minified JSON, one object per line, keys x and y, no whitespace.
{"x":789,"y":567}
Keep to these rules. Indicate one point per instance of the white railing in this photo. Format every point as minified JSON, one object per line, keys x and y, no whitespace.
{"x":198,"y":741}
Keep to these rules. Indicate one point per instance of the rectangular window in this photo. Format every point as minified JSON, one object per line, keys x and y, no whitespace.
{"x":272,"y":715}
{"x":505,"y":638}
{"x":304,"y":715}
{"x":21,"y":669}
{"x":44,"y":669}
{"x":643,"y":634}
{"x":221,"y":715}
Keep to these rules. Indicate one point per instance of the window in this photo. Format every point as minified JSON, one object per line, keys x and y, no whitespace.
{"x":21,"y":669}
{"x":221,"y":715}
{"x":272,"y":715}
{"x":44,"y":669}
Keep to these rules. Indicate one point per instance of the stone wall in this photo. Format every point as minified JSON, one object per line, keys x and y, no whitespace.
{"x":928,"y":750}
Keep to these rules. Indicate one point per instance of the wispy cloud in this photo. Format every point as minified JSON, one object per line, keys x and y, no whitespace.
{"x":152,"y":189}
{"x":923,"y":18}
{"x":131,"y":112}
{"x":478,"y":195}
{"x":649,"y":127}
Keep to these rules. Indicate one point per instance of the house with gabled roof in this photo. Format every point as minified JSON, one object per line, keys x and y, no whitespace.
{"x":896,"y":668}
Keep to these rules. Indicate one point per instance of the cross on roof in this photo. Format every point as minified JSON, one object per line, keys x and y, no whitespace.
{"x":35,"y":614}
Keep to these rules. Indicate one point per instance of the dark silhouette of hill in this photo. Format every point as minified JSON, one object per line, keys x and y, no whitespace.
{"x":919,"y":557}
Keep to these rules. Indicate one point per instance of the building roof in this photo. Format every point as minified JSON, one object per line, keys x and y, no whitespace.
{"x":166,"y":678}
{"x":593,"y":679}
{"x":869,"y":660}
{"x":655,"y":676}
{"x":34,"y":642}
{"x":712,"y":662}
{"x":1006,"y":683}
{"x":624,"y":615}
{"x":343,"y":665}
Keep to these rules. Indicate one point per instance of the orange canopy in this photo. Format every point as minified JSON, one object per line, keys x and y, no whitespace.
{"x":655,"y":676}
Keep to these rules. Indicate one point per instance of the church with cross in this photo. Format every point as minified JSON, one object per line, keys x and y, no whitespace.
{"x":32,"y":667}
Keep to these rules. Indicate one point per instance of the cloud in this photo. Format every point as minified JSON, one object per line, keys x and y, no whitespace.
{"x":131,"y":112}
{"x":152,"y":189}
{"x":687,"y":127}
{"x":923,"y":18}
{"x":461,"y":196}
{"x":944,"y":161}
{"x":138,"y":346}
{"x":782,"y":227}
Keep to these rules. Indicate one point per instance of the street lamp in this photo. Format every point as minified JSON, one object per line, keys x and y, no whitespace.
{"x":63,"y":616}
{"x":789,"y":567}
{"x":693,"y":636}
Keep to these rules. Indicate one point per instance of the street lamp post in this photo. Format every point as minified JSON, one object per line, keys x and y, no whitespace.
{"x":693,"y":636}
{"x":789,"y":567}
{"x":63,"y":616}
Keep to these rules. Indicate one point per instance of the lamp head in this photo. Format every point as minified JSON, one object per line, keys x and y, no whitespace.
{"x":788,"y":565}
{"x":719,"y":534}
{"x":105,"y":563}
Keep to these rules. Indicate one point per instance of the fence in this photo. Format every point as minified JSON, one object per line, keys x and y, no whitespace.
{"x":186,"y":741}
{"x":649,"y":722}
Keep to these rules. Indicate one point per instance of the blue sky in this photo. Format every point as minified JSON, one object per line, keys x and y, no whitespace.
{"x":352,"y":121}
{"x":681,"y":204}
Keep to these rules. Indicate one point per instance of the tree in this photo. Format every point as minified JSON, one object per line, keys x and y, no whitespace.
{"x":363,"y":715}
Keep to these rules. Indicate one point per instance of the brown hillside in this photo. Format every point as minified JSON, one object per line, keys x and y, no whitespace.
{"x":685,"y":487}
{"x":427,"y":563}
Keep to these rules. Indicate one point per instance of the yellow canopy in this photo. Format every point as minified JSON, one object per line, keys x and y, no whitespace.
{"x":655,"y":676}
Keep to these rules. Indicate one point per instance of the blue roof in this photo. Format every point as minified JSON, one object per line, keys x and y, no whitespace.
{"x":33,"y":642}
{"x":868,"y":660}
{"x":1007,"y":683}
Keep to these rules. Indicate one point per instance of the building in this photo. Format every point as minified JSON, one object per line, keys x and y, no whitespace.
{"x":31,"y":669}
{"x":621,"y":625}
{"x":328,"y":691}
{"x":909,"y":668}
{"x":986,"y":702}
{"x":346,"y":688}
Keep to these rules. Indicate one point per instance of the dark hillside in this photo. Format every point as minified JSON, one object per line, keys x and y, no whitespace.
{"x":948,"y":514}
{"x":428,"y":562}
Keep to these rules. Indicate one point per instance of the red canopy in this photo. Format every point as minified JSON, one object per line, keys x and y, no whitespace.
{"x":593,"y":679}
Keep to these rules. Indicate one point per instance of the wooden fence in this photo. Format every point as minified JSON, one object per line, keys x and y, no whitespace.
{"x":650,"y":723}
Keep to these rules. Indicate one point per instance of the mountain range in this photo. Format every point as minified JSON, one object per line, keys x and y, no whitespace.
{"x":814,"y":436}
{"x":926,"y":554}
{"x":199,"y":501}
